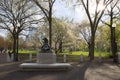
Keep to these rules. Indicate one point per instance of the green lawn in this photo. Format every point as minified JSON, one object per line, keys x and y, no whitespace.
{"x":103,"y":54}
{"x":27,"y":51}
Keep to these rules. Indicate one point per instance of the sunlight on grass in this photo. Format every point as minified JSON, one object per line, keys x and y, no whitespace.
{"x":79,"y":53}
{"x":27,"y":51}
{"x":103,"y":54}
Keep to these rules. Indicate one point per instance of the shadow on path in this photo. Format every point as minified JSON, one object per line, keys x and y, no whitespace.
{"x":77,"y":73}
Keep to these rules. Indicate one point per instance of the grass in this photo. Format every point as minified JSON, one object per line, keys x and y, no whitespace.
{"x":27,"y":51}
{"x":103,"y":54}
{"x":79,"y":53}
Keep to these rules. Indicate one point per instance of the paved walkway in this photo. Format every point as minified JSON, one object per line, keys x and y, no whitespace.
{"x":80,"y":71}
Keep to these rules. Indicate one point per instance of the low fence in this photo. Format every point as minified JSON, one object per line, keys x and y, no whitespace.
{"x":59,"y":57}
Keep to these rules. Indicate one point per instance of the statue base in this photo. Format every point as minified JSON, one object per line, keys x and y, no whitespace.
{"x":46,"y":58}
{"x":45,"y":62}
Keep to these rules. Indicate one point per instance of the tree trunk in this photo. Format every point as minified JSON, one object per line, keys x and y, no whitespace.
{"x":17,"y":46}
{"x":50,"y":27}
{"x":113,"y":44}
{"x":113,"y":38}
{"x":92,"y":44}
{"x":14,"y":48}
{"x":89,"y":49}
{"x":50,"y":33}
{"x":60,"y":46}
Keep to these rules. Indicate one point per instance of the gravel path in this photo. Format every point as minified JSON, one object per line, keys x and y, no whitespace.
{"x":79,"y":71}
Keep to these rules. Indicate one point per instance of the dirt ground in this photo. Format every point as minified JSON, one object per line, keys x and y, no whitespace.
{"x":80,"y":71}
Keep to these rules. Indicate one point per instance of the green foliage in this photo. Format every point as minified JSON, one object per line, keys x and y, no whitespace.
{"x":118,"y":36}
{"x":103,"y":54}
{"x":102,"y":42}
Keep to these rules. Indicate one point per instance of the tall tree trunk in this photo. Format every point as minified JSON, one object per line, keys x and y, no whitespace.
{"x":89,"y":49}
{"x":113,"y":44}
{"x":92,"y":44}
{"x":17,"y":46}
{"x":113,"y":38}
{"x":14,"y":48}
{"x":14,"y":44}
{"x":60,"y":46}
{"x":50,"y":27}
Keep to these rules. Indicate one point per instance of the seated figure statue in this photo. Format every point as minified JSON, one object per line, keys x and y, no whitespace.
{"x":45,"y":48}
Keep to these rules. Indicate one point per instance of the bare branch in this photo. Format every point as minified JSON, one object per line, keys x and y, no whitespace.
{"x":105,"y":23}
{"x":45,"y":11}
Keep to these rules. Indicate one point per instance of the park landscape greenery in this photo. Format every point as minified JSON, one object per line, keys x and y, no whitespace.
{"x":91,"y":37}
{"x":76,"y":53}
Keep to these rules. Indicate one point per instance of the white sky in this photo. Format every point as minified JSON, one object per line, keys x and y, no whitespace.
{"x":2,"y":33}
{"x":61,"y":9}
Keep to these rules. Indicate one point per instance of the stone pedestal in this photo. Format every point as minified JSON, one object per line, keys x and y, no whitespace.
{"x":46,"y":58}
{"x":45,"y":62}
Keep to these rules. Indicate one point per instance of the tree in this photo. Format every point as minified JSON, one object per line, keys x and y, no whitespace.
{"x":16,"y":16}
{"x":60,"y":32}
{"x":95,"y":19}
{"x":103,"y":39}
{"x":46,"y":6}
{"x":118,"y":36}
{"x":22,"y":43}
{"x":84,"y":30}
{"x":9,"y":41}
{"x":113,"y":13}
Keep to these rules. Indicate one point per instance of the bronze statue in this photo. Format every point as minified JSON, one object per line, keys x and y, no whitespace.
{"x":45,"y":48}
